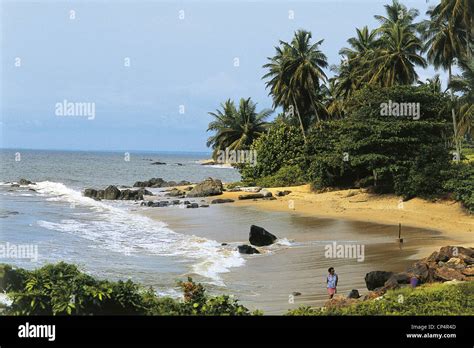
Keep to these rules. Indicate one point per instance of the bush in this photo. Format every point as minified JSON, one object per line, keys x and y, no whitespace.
{"x":285,"y":176}
{"x":281,"y":146}
{"x":62,"y":289}
{"x":461,"y":184}
{"x":391,"y":154}
{"x":429,"y":299}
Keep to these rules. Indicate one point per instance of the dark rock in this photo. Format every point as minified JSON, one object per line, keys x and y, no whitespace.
{"x":186,"y":202}
{"x":354,"y":294}
{"x":153,"y":182}
{"x":259,"y":236}
{"x":25,"y":182}
{"x":397,"y":279}
{"x":251,"y":196}
{"x":208,"y":187}
{"x":158,"y":163}
{"x":282,"y":193}
{"x":179,"y":164}
{"x":204,"y":205}
{"x":14,"y":185}
{"x":269,"y":198}
{"x":247,"y":249}
{"x":192,"y":205}
{"x":30,"y":189}
{"x":222,"y":200}
{"x":91,"y":193}
{"x":296,"y":293}
{"x":175,"y":202}
{"x":224,"y":244}
{"x":111,"y":192}
{"x":376,"y":279}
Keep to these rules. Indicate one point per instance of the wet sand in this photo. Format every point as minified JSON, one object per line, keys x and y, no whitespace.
{"x":267,"y":281}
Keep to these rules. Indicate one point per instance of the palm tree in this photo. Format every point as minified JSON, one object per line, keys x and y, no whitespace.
{"x":394,"y":61}
{"x":433,"y":83}
{"x":459,"y":14}
{"x":294,"y":77}
{"x":465,"y":84}
{"x":398,"y":13}
{"x":444,"y":43}
{"x":354,"y":62}
{"x":236,"y":129}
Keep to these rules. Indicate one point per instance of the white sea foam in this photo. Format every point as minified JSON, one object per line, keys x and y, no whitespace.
{"x":121,"y":231}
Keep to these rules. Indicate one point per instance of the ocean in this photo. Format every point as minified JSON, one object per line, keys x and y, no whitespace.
{"x":105,"y":238}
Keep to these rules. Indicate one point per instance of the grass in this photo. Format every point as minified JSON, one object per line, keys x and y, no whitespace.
{"x":429,"y":299}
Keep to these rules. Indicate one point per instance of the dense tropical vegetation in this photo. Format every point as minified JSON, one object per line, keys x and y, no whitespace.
{"x":62,"y":289}
{"x":332,"y":132}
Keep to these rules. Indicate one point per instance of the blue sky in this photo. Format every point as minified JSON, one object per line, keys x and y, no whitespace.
{"x":174,"y":62}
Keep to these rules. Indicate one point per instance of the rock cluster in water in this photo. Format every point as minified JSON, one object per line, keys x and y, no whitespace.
{"x":113,"y":193}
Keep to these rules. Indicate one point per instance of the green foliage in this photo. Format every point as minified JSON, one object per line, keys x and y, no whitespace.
{"x":461,"y":184}
{"x":281,"y":146}
{"x":285,"y":176}
{"x":62,"y":289}
{"x":391,"y":154}
{"x":437,"y":299}
{"x":236,"y":128}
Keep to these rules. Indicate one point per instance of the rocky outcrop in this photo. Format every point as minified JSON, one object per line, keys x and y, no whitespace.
{"x":113,"y":193}
{"x":247,"y":249}
{"x":260,"y":237}
{"x":209,"y":187}
{"x":376,"y":279}
{"x":159,"y":182}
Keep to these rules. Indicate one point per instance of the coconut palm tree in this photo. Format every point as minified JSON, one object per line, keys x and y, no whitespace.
{"x":394,"y":61}
{"x":294,"y":77}
{"x":464,"y":84}
{"x":444,"y":43}
{"x":236,"y":128}
{"x":354,"y":63}
{"x":459,"y":14}
{"x":398,"y":13}
{"x":433,"y":83}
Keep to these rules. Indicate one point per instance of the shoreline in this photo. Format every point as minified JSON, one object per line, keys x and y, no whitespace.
{"x":444,"y":216}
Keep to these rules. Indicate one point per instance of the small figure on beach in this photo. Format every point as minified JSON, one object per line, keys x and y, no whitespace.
{"x":331,"y":282}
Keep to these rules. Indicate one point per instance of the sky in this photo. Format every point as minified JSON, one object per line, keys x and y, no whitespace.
{"x":152,"y":70}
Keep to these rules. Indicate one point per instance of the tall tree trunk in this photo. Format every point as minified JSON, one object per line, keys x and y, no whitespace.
{"x":453,"y":114}
{"x":300,"y":119}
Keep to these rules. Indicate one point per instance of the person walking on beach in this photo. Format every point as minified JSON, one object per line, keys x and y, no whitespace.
{"x":331,"y":282}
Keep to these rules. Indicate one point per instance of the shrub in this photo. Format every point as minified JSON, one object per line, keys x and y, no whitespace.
{"x":429,"y":299}
{"x":285,"y":176}
{"x":461,"y":184}
{"x":281,"y":146}
{"x":391,"y":154}
{"x":62,"y":289}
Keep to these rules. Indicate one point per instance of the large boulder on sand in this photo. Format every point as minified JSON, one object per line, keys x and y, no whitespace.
{"x":260,"y":237}
{"x":376,"y":279}
{"x":208,"y":187}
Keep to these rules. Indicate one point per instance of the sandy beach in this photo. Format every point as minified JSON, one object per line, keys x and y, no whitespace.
{"x":305,"y":223}
{"x":445,"y":216}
